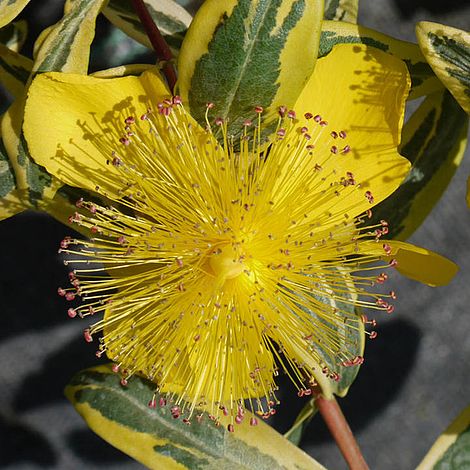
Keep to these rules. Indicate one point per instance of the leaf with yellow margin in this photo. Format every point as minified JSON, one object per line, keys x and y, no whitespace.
{"x":170,"y":17}
{"x":122,"y":417}
{"x":448,"y":52}
{"x":451,"y":451}
{"x":65,"y":46}
{"x":239,"y":54}
{"x":10,"y":9}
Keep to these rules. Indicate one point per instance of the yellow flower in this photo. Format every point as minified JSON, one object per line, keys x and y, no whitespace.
{"x":224,"y":264}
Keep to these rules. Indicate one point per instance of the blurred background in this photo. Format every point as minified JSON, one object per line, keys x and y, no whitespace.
{"x":416,"y":377}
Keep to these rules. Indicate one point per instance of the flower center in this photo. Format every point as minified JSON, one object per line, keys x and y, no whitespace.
{"x":226,"y":263}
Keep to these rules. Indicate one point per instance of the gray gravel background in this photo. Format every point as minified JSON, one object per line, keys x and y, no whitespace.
{"x":415,"y":379}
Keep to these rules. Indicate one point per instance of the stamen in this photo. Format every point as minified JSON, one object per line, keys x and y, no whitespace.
{"x":220,"y":265}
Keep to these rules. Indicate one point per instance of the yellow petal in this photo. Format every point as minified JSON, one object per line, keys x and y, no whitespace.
{"x":73,"y":123}
{"x":362,"y":91}
{"x":414,"y":262}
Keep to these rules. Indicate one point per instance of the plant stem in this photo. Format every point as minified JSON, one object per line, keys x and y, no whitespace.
{"x":156,"y":39}
{"x":340,"y":430}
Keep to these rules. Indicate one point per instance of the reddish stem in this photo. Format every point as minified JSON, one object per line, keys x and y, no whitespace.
{"x":341,"y":432}
{"x":156,"y":39}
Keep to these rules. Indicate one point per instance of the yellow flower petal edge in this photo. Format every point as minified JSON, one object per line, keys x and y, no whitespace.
{"x":73,"y":123}
{"x":362,"y":90}
{"x":415,"y":262}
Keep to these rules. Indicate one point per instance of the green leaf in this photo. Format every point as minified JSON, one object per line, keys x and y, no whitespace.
{"x":120,"y":415}
{"x":65,"y":46}
{"x":448,"y":52}
{"x":423,"y":80}
{"x":239,"y":54}
{"x":341,"y":10}
{"x":15,"y":70}
{"x":172,"y":21}
{"x":434,"y":140}
{"x":14,"y":35}
{"x":10,"y":9}
{"x":295,"y":433}
{"x":451,"y":451}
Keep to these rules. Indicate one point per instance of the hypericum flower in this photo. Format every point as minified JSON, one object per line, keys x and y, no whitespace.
{"x":227,"y":262}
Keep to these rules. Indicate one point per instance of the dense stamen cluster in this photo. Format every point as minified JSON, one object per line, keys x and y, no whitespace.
{"x":219,"y":264}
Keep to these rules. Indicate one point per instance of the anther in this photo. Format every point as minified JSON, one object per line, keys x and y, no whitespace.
{"x":87,"y":336}
{"x":259,"y":109}
{"x":175,"y":412}
{"x":177,"y":100}
{"x":71,"y":312}
{"x":69,"y":296}
{"x":308,"y":116}
{"x":282,"y":111}
{"x":369,"y":197}
{"x":210,"y":105}
{"x":346,"y":149}
{"x":218,"y":121}
{"x":253,"y":421}
{"x":291,"y":114}
{"x":230,"y":428}
{"x":373,"y":334}
{"x":129,"y":120}
{"x":124,"y":382}
{"x":342,"y":134}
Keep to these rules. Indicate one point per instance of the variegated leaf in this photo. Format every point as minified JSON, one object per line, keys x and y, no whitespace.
{"x":423,"y":80}
{"x":434,"y":140}
{"x":14,"y":70}
{"x":172,"y":20}
{"x":10,"y":9}
{"x":341,"y":10}
{"x":65,"y":46}
{"x":13,"y":35}
{"x":238,"y":54}
{"x":448,"y":52}
{"x":120,"y":415}
{"x":451,"y":451}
